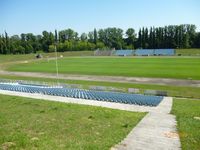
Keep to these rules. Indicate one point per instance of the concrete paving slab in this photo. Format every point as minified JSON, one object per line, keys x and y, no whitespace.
{"x":156,"y":131}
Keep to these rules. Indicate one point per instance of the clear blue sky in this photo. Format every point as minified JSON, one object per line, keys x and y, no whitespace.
{"x":23,"y":16}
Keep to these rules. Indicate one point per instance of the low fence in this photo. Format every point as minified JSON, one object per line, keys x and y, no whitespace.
{"x":155,"y":92}
{"x":103,"y":53}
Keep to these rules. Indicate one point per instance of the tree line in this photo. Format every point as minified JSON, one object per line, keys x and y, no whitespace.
{"x":172,"y":36}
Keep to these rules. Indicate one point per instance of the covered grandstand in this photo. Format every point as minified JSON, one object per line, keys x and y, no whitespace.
{"x":144,"y":52}
{"x":164,"y":52}
{"x":123,"y":52}
{"x":155,"y":52}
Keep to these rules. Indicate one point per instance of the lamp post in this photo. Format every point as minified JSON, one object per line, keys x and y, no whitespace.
{"x":56,"y":56}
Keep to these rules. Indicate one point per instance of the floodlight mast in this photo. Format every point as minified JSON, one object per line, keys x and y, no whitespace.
{"x":56,"y":55}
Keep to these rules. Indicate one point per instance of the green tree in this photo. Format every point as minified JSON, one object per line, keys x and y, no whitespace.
{"x":1,"y":44}
{"x":140,"y":38}
{"x":151,"y":40}
{"x":91,"y":46}
{"x":143,"y":38}
{"x":51,"y":48}
{"x":14,"y":44}
{"x":191,"y":30}
{"x":67,"y":34}
{"x":111,"y":37}
{"x":171,"y":36}
{"x":56,"y":36}
{"x":186,"y":40}
{"x":131,"y":36}
{"x":7,"y":44}
{"x":95,"y":36}
{"x":91,"y":37}
{"x":146,"y":38}
{"x":197,"y":40}
{"x":83,"y":37}
{"x":100,"y":45}
{"x":47,"y":39}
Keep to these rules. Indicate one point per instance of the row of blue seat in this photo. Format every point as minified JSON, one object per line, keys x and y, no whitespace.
{"x":118,"y":97}
{"x":145,"y":52}
{"x":157,"y":52}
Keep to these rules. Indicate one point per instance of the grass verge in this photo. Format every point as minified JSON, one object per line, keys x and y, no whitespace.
{"x":35,"y":124}
{"x":20,"y":57}
{"x":188,"y":117}
{"x":188,"y":52}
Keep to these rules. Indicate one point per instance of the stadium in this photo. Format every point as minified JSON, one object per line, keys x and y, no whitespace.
{"x":53,"y":79}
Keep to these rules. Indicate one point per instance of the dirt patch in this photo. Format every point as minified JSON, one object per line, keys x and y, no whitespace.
{"x":197,"y":118}
{"x":118,"y":79}
{"x":171,"y":134}
{"x":8,"y":145}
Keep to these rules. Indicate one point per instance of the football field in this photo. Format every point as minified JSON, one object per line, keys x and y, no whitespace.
{"x":156,"y":67}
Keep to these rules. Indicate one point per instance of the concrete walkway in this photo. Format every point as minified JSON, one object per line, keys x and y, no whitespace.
{"x":156,"y":131}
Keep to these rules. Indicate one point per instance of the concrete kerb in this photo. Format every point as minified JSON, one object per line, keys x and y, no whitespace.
{"x":112,"y":105}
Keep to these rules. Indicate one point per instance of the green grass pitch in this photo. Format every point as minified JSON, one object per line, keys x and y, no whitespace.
{"x":179,"y":68}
